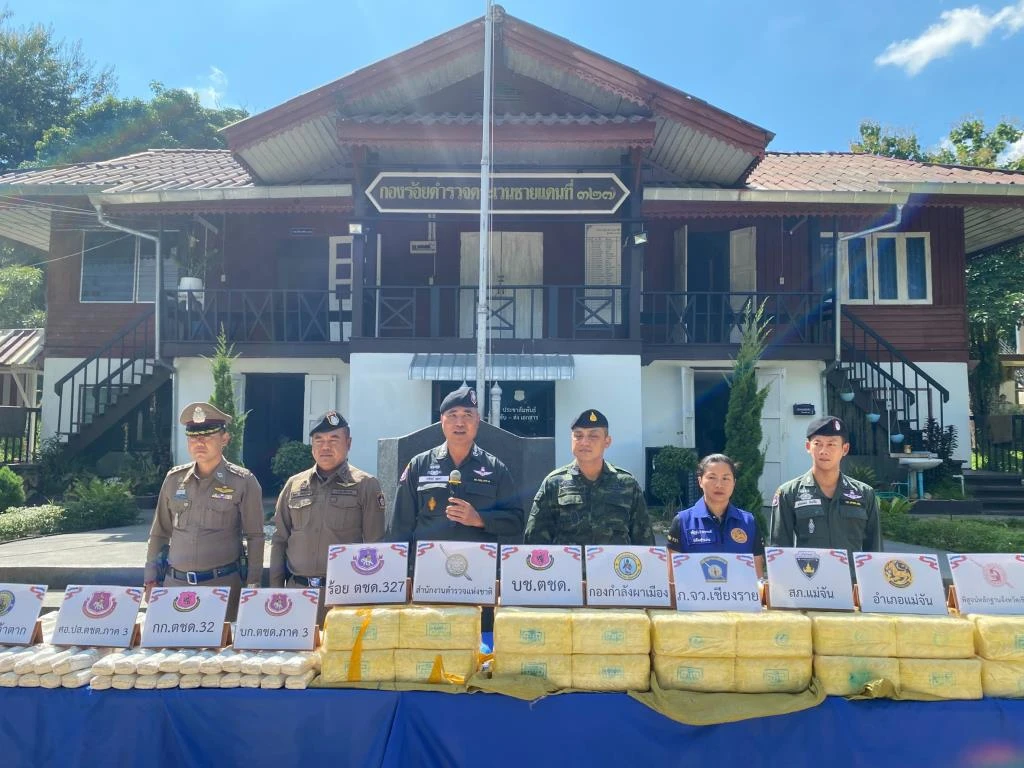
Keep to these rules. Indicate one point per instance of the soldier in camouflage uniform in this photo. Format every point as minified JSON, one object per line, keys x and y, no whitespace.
{"x":825,"y":508}
{"x":589,"y":501}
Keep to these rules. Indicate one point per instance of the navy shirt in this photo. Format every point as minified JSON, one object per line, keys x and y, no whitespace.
{"x":698,"y":530}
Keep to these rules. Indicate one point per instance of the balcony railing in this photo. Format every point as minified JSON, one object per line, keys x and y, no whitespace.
{"x":711,"y":317}
{"x":19,"y":434}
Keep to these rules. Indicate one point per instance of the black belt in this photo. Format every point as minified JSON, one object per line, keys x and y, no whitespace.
{"x":197,"y":577}
{"x":308,"y":581}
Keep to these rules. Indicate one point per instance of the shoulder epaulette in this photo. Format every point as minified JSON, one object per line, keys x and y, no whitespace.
{"x":237,"y":470}
{"x":179,"y":467}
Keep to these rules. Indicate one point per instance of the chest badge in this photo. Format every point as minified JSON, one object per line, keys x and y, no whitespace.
{"x":482,"y":472}
{"x":715,"y":569}
{"x":738,"y":535}
{"x":810,"y":526}
{"x":432,"y":504}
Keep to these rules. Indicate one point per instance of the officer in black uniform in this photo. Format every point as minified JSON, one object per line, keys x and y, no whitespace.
{"x":479,"y":503}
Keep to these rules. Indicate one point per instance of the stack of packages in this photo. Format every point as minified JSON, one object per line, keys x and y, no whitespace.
{"x":146,"y":669}
{"x":405,"y":644}
{"x":534,"y":642}
{"x":766,"y":652}
{"x":47,"y":666}
{"x":1000,"y":644}
{"x":931,"y":655}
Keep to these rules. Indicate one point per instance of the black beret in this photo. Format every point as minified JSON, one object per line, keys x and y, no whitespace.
{"x":463,"y":397}
{"x":331,"y":420}
{"x":828,"y":426}
{"x":590,"y":419}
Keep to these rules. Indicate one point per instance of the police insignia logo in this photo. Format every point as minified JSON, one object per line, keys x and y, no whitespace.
{"x":457,"y":565}
{"x":837,"y":425}
{"x":804,"y":495}
{"x":808,"y":563}
{"x":592,"y":417}
{"x":539,"y":560}
{"x":198,"y":415}
{"x":472,"y":396}
{"x":738,"y":535}
{"x":482,"y":472}
{"x":6,"y":601}
{"x":627,"y":566}
{"x":332,"y":418}
{"x":993,"y":573}
{"x":715,"y":569}
{"x":185,"y":602}
{"x":810,"y":526}
{"x":432,"y":504}
{"x":898,"y":574}
{"x":367,"y":561}
{"x":99,"y":605}
{"x":278,"y":604}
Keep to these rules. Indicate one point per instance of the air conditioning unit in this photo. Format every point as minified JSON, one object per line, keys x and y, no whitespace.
{"x":423,"y":247}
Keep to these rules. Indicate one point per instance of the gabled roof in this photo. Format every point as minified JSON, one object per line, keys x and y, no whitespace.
{"x":693,"y":139}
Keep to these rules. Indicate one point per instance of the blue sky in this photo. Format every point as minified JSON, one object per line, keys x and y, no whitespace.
{"x":808,"y":74}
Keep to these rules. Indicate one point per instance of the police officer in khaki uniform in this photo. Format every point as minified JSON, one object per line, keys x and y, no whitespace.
{"x":204,"y":510}
{"x":825,"y":508}
{"x":330,"y":503}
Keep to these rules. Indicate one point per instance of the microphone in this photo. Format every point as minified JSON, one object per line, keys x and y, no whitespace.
{"x":454,"y":481}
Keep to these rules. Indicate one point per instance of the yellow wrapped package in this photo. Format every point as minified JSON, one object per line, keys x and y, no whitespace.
{"x":374,"y":666}
{"x":847,"y":675}
{"x":1000,"y":638}
{"x":773,"y":634}
{"x":689,"y":673}
{"x":610,"y":631}
{"x":611,"y":672}
{"x":533,"y":630}
{"x":441,"y":627}
{"x":934,"y":637}
{"x":342,"y":625}
{"x":853,"y":634}
{"x":555,"y":668}
{"x":417,"y":665}
{"x":773,"y":675}
{"x":1003,"y":679}
{"x":946,"y":678}
{"x":705,"y":635}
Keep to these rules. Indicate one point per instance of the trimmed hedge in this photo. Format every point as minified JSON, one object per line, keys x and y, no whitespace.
{"x":953,"y":535}
{"x":21,"y":522}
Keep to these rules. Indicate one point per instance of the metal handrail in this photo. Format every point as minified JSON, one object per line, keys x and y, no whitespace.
{"x":267,"y":315}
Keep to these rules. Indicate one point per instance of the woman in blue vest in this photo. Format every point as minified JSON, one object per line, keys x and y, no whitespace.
{"x":714,"y":524}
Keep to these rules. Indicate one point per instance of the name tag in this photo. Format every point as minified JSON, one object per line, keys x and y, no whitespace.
{"x":700,"y":536}
{"x":807,"y":503}
{"x":429,"y":486}
{"x":299,"y":503}
{"x":344,"y":492}
{"x":226,"y":496}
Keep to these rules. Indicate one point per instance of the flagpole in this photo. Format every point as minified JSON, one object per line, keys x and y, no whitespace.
{"x":485,"y":212}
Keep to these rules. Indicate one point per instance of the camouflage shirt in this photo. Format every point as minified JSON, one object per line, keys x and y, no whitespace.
{"x":570,"y":509}
{"x":803,"y":516}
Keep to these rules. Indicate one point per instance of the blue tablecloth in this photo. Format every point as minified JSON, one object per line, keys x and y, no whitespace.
{"x":250,"y":728}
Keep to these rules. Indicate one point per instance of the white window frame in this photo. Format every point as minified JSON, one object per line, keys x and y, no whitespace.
{"x":871,"y":248}
{"x":135,"y":269}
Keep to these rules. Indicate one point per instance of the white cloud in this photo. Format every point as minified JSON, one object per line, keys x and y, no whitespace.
{"x":960,"y":26}
{"x":1012,"y":153}
{"x":213,"y":87}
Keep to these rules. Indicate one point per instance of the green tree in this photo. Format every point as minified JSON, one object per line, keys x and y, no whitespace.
{"x":43,"y":80}
{"x":224,"y":395}
{"x":874,"y":140}
{"x":21,"y":297}
{"x":743,"y":417}
{"x":172,"y":119}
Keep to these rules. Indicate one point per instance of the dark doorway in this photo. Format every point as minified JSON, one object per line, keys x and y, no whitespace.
{"x":275,"y":403}
{"x":707,"y":282}
{"x":710,"y":404}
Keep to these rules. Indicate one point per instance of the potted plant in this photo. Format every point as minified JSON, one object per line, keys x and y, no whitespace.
{"x":197,"y":257}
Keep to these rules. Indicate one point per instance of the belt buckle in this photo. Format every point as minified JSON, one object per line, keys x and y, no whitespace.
{"x":191,"y":578}
{"x":314,"y":581}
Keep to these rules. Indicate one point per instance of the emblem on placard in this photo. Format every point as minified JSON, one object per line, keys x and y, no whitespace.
{"x":367,"y":561}
{"x":99,"y":605}
{"x":627,"y":566}
{"x":808,"y":563}
{"x":715,"y":569}
{"x":993,"y":573}
{"x":898,"y":573}
{"x":539,"y":560}
{"x":738,"y":535}
{"x":278,"y":604}
{"x":185,"y":602}
{"x":456,"y":565}
{"x":6,"y":601}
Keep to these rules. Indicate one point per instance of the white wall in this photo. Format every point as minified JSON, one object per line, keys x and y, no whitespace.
{"x":953,"y":376}
{"x":613,"y":385}
{"x":54,"y":368}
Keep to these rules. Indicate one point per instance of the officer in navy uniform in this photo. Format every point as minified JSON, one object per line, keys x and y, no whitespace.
{"x":204,"y":510}
{"x":714,"y":523}
{"x":825,"y":508}
{"x":484,"y":506}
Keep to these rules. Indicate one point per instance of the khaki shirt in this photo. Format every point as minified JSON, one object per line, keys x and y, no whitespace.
{"x":803,"y":516}
{"x":203,"y":519}
{"x":313,"y":512}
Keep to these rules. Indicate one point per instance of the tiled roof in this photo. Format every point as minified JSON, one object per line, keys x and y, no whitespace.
{"x":20,"y":346}
{"x":449,"y":118}
{"x":154,"y":169}
{"x":848,"y":172}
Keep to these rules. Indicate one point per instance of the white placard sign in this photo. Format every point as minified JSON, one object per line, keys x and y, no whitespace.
{"x":628,"y":576}
{"x":541,"y":575}
{"x":97,"y":615}
{"x":715,"y":582}
{"x":361,"y":574}
{"x":19,"y":608}
{"x":185,"y":617}
{"x":809,"y":578}
{"x":989,"y":583}
{"x":277,"y":619}
{"x":892,"y":582}
{"x":455,"y":572}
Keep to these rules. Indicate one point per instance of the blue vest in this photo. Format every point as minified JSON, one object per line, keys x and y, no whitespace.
{"x":699,"y":531}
